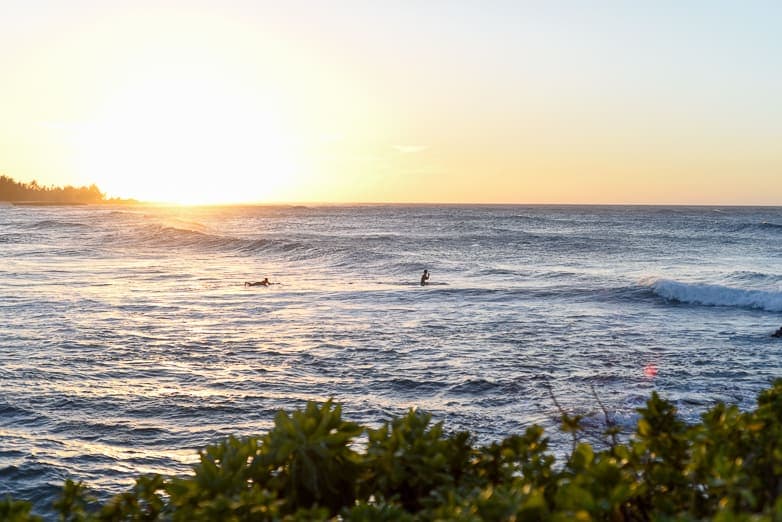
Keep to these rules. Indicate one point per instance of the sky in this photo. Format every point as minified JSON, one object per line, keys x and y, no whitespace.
{"x":582,"y":102}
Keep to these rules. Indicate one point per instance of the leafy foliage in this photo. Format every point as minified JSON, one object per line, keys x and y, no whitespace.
{"x":16,"y":511}
{"x":11,"y":190}
{"x":726,"y":467}
{"x":407,"y":460}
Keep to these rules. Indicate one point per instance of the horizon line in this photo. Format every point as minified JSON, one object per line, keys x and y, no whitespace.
{"x":132,"y":201}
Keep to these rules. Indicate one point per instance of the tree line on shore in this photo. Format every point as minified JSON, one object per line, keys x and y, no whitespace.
{"x":15,"y":191}
{"x":310,"y":466}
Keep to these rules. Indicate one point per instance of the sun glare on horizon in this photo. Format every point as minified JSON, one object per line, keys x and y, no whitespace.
{"x":415,"y":102}
{"x":188,"y":141}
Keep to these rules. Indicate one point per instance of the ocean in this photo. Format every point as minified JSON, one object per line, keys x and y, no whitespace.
{"x":128,"y":339}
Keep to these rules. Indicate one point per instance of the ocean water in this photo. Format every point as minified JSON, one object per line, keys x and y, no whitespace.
{"x":128,"y":339}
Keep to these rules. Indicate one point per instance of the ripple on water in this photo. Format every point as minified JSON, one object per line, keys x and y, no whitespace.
{"x":128,"y":344}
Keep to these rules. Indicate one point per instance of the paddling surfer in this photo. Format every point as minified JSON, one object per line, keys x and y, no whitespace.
{"x":265,"y":282}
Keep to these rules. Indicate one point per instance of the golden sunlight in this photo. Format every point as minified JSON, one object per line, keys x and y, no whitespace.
{"x":188,"y":140}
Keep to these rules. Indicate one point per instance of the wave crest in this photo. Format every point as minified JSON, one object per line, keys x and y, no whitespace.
{"x":54,"y":224}
{"x":716,"y":295}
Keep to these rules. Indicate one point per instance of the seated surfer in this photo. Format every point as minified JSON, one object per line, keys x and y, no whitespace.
{"x":265,"y":282}
{"x":778,"y":333}
{"x":424,"y":277}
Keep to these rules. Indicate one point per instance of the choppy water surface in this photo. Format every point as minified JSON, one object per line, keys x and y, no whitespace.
{"x":128,"y":340}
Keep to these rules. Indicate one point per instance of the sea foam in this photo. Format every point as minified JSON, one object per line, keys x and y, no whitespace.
{"x":715,"y":295}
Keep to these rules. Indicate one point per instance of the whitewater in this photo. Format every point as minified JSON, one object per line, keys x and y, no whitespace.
{"x":128,"y":339}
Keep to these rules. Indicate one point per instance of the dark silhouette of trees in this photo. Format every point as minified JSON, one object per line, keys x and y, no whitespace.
{"x":15,"y":191}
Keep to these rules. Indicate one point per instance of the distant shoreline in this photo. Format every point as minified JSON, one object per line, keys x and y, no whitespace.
{"x":69,"y":203}
{"x":32,"y":194}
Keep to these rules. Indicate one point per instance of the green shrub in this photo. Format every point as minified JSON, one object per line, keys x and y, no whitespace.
{"x":16,"y":511}
{"x":727,"y":467}
{"x":407,"y":459}
{"x":307,"y":458}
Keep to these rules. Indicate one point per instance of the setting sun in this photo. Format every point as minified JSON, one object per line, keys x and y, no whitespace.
{"x":259,"y":102}
{"x":190,"y":141}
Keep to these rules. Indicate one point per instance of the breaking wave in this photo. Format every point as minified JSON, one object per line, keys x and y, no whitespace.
{"x":716,"y":295}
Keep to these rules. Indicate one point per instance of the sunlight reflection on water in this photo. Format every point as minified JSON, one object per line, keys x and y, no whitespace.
{"x":129,"y":340}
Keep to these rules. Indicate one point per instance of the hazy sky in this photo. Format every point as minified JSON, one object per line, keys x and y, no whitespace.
{"x":408,"y":101}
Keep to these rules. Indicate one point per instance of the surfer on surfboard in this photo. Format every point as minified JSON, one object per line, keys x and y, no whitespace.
{"x":265,"y":282}
{"x":424,"y":277}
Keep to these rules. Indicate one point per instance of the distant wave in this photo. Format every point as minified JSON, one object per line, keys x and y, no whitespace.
{"x":716,"y":295}
{"x":169,"y":236}
{"x":12,"y":238}
{"x":161,"y":236}
{"x":763,"y":226}
{"x":52,"y":223}
{"x":756,"y":278}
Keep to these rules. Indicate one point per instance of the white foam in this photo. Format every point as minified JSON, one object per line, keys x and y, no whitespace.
{"x":715,"y":295}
